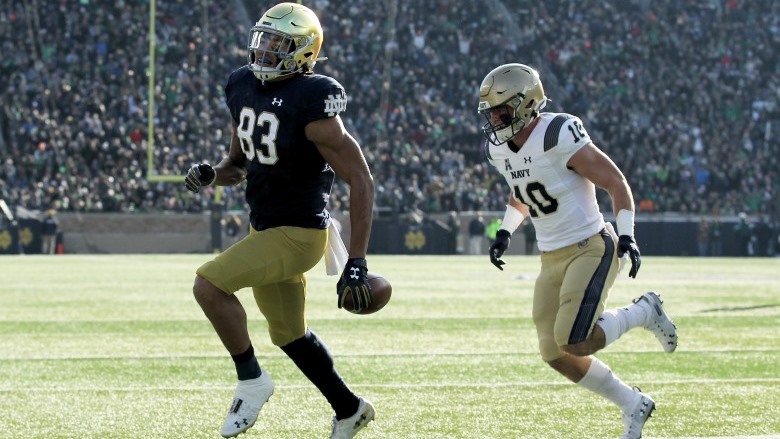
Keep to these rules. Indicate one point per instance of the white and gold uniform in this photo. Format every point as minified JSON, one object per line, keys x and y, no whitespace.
{"x":562,"y":203}
{"x":579,"y":262}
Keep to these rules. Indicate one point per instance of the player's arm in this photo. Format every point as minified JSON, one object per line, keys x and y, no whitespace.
{"x":590,"y":162}
{"x":343,"y":154}
{"x":513,"y":216}
{"x":230,"y":171}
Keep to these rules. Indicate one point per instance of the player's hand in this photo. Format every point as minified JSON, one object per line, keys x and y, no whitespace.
{"x":354,"y":282}
{"x":201,"y":174}
{"x":626,"y":244}
{"x":499,"y":246}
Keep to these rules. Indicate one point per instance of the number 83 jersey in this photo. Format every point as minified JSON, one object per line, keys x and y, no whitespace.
{"x":288,"y":180}
{"x":562,"y":203}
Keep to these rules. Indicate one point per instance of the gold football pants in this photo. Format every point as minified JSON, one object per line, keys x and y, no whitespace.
{"x":273,"y":263}
{"x":571,"y":292}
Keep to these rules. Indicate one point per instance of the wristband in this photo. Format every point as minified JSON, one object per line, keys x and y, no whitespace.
{"x":625,"y":222}
{"x":512,"y":219}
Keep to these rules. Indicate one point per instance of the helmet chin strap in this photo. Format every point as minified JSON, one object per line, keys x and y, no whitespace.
{"x":509,"y":132}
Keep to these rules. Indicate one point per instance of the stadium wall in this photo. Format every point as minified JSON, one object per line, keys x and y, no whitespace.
{"x":101,"y":233}
{"x":136,"y":233}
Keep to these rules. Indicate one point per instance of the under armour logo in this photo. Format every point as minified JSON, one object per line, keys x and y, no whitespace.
{"x":354,"y":274}
{"x":238,"y":423}
{"x":527,"y":160}
{"x":359,"y":422}
{"x":277,"y":102}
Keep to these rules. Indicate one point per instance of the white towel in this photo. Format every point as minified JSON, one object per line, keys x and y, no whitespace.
{"x":336,"y":253}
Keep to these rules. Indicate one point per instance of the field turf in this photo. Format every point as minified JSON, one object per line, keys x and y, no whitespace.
{"x":114,"y":346}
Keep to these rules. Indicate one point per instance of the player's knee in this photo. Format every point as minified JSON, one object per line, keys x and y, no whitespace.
{"x":581,"y":349}
{"x":205,"y":292}
{"x":285,"y":336}
{"x":558,"y":364}
{"x":549,"y":350}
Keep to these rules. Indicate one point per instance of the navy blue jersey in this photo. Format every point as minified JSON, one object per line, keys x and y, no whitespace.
{"x":288,"y":181}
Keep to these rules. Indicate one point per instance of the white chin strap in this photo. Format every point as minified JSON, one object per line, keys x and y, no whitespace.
{"x":505,"y":134}
{"x":271,"y":75}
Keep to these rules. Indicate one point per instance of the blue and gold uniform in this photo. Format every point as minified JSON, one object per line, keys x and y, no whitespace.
{"x":288,"y":187}
{"x":288,"y":143}
{"x":288,"y":181}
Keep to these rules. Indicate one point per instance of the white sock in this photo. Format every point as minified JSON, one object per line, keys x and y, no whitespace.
{"x":618,"y":321}
{"x":600,"y":380}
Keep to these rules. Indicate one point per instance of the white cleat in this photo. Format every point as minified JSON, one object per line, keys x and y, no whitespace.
{"x":634,"y":419}
{"x":347,"y":428}
{"x":658,"y":322}
{"x":248,"y":400}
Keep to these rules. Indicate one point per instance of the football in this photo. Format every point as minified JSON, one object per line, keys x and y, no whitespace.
{"x":381,"y":290}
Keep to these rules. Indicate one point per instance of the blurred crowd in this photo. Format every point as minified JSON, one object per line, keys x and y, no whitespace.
{"x":682,"y":94}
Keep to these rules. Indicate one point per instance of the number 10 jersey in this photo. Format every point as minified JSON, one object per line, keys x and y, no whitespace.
{"x":562,"y":203}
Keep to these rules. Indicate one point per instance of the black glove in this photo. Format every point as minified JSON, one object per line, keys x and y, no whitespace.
{"x":201,"y":174}
{"x":626,"y":244}
{"x":499,"y":246}
{"x":354,"y":282}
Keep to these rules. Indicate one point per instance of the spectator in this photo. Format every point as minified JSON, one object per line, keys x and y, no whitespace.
{"x":476,"y":234}
{"x":703,"y":237}
{"x":716,"y":245}
{"x":453,"y":225}
{"x":744,"y":232}
{"x":234,"y":229}
{"x":49,"y":233}
{"x":492,"y":229}
{"x":66,"y":128}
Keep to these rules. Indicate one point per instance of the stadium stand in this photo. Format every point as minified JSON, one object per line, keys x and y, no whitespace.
{"x":682,"y":94}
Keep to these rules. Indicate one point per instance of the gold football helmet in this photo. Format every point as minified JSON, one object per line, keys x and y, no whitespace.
{"x":285,"y":41}
{"x":510,"y":97}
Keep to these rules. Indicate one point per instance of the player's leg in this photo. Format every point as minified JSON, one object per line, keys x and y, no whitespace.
{"x":591,"y":267}
{"x":647,"y":312}
{"x":229,"y":320}
{"x":583,"y":274}
{"x":283,"y":305}
{"x":225,"y":313}
{"x":261,"y":257}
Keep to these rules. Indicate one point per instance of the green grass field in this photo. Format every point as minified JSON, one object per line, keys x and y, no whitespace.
{"x":116,"y":347}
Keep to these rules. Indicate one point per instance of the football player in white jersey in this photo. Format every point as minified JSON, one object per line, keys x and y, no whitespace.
{"x":552,"y":168}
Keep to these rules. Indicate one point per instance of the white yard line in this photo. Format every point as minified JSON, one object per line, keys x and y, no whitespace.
{"x":771,"y":436}
{"x":389,"y":385}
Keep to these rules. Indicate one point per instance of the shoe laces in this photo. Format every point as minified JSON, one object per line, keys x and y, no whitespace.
{"x":635,"y":415}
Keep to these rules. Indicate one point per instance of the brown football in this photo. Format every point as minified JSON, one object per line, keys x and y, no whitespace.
{"x":381,"y":290}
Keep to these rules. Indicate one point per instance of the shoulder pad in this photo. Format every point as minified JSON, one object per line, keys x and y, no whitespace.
{"x":553,"y":130}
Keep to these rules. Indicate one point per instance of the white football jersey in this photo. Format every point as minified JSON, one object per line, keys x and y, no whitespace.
{"x":562,"y":203}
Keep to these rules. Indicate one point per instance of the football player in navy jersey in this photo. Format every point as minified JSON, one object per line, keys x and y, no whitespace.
{"x":552,"y":168}
{"x":288,"y":143}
